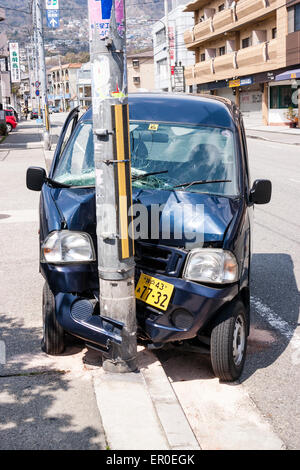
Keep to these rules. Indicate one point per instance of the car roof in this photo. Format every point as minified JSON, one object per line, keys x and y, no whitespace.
{"x":180,"y":108}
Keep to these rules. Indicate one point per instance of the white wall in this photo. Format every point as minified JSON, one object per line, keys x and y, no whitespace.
{"x":180,"y":22}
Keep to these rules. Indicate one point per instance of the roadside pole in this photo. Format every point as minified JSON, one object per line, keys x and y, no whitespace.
{"x":42,"y":75}
{"x":35,"y":54}
{"x":113,"y":177}
{"x":29,"y":74}
{"x":168,"y":45}
{"x":62,"y":85}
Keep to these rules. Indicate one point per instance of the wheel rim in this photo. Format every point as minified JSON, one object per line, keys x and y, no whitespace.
{"x":239,"y":339}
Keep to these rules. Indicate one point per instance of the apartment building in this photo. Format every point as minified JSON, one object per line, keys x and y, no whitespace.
{"x":248,"y":51}
{"x":179,"y":55}
{"x":140,"y":71}
{"x":62,"y":85}
{"x":84,"y":86}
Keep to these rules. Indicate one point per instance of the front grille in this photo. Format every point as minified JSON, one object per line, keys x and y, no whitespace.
{"x":160,"y":259}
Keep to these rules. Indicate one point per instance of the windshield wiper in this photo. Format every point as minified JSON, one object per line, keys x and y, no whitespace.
{"x":139,"y":177}
{"x":192,"y":183}
{"x":56,"y":184}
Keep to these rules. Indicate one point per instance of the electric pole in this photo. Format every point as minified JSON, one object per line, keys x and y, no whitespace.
{"x":168,"y":45}
{"x":29,"y":65}
{"x":42,"y":74}
{"x":35,"y":53}
{"x":113,"y":178}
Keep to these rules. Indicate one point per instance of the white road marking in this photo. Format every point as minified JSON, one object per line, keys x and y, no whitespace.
{"x":294,"y":181}
{"x":18,"y":216}
{"x":279,"y":324}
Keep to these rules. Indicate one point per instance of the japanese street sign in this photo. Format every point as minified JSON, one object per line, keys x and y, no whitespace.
{"x":37,"y":92}
{"x":14,"y":62}
{"x":52,"y":18}
{"x":179,"y":82}
{"x":37,"y":84}
{"x":52,"y":4}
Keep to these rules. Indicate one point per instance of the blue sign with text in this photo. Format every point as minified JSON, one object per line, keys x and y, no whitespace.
{"x":52,"y":19}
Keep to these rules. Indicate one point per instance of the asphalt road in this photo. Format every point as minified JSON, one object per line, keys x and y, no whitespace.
{"x":221,"y":414}
{"x":41,"y":400}
{"x":272,"y":372}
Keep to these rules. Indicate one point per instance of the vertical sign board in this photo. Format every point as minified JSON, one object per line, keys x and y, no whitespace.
{"x":179,"y":82}
{"x":14,"y":62}
{"x":52,"y":13}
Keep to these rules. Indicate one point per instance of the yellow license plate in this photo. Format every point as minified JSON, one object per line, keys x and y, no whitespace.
{"x":153,"y":291}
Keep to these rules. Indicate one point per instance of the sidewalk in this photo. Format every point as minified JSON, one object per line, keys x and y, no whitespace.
{"x":26,"y":136}
{"x":278,"y":134}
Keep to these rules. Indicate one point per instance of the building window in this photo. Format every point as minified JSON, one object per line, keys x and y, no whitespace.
{"x":281,"y":97}
{"x":274,"y":33}
{"x":160,"y":37}
{"x":222,"y":50}
{"x":136,"y":80}
{"x":202,"y":57}
{"x":246,"y":42}
{"x":136,"y":63}
{"x":294,"y":18}
{"x":221,"y":7}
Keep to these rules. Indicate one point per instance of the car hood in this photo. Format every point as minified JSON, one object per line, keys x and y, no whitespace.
{"x":201,"y":217}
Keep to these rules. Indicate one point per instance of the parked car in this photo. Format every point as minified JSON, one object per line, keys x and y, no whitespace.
{"x":11,"y":122}
{"x":11,"y":108}
{"x":184,"y":149}
{"x":34,"y":113}
{"x":53,"y":109}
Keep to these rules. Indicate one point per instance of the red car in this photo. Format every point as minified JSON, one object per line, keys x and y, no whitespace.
{"x":11,"y":122}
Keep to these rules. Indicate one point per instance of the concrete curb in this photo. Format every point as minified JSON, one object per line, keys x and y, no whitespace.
{"x":168,"y":409}
{"x":30,"y":145}
{"x":270,"y":140}
{"x":140,"y":411}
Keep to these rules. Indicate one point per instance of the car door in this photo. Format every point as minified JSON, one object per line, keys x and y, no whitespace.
{"x":66,"y":133}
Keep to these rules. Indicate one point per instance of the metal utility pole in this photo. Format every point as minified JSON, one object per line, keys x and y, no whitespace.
{"x":35,"y":54}
{"x":168,"y":45}
{"x":113,"y":178}
{"x":29,"y":63}
{"x":42,"y":74}
{"x":62,"y":84}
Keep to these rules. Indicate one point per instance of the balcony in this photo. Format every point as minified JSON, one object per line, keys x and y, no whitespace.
{"x":246,"y":11}
{"x":259,"y":58}
{"x":203,"y":29}
{"x":223,"y":64}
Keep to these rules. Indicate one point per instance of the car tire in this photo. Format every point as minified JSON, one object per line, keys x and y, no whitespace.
{"x":53,"y":334}
{"x":228,"y":343}
{"x":9,"y":127}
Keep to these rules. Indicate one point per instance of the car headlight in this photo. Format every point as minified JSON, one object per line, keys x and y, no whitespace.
{"x":65,"y":246}
{"x":211,"y":266}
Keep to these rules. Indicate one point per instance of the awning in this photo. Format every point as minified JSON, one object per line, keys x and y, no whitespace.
{"x":288,"y":75}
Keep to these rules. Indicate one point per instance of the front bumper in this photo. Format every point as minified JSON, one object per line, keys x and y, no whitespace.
{"x":202,"y":303}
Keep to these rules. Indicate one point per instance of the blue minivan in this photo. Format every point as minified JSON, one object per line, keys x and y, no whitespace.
{"x":185,"y":149}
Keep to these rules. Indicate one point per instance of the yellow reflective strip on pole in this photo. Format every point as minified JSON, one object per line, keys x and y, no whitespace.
{"x":122,"y":181}
{"x":129,"y":150}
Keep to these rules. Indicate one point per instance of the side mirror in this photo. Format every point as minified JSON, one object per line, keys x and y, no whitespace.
{"x":35,"y":178}
{"x":261,"y":192}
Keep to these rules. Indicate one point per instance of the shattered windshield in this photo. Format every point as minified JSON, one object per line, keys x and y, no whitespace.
{"x":163,"y":156}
